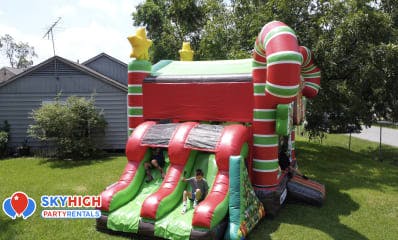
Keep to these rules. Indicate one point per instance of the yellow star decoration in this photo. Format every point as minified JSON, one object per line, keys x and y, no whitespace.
{"x":186,"y":53}
{"x":140,"y":45}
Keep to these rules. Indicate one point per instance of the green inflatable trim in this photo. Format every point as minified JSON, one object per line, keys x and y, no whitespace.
{"x":245,"y":151}
{"x":140,"y":65}
{"x":234,"y":197}
{"x":169,"y":202}
{"x":283,"y":119}
{"x":245,"y":209}
{"x":125,"y":195}
{"x":127,"y":217}
{"x":159,"y":65}
{"x":235,"y":202}
{"x":220,"y":212}
{"x":178,"y":226}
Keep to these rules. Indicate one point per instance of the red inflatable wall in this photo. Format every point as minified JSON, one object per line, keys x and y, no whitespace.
{"x":199,"y":101}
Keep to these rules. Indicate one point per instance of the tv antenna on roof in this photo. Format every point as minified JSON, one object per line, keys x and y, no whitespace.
{"x":50,"y":32}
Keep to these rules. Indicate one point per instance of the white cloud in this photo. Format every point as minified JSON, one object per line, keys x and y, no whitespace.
{"x":111,"y":8}
{"x":87,"y":28}
{"x":76,"y":43}
{"x":7,"y":30}
{"x":129,"y":6}
{"x":64,"y":11}
{"x":85,"y":42}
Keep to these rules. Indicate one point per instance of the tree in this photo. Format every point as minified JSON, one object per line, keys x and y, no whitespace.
{"x":355,"y":77}
{"x":218,"y":39}
{"x":75,"y":126}
{"x":19,"y":55}
{"x":169,"y":23}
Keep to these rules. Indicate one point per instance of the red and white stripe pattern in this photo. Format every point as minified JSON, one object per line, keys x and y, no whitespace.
{"x":276,"y":75}
{"x":311,"y":74}
{"x":136,"y":74}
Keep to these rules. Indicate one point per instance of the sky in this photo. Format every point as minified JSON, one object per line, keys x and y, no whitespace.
{"x":86,"y":29}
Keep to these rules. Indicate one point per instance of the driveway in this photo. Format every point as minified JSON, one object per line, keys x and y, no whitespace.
{"x":389,"y":136}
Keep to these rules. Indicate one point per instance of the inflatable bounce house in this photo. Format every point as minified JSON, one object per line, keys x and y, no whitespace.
{"x":229,"y":118}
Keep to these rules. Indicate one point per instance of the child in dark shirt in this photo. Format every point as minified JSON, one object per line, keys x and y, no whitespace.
{"x":156,"y":162}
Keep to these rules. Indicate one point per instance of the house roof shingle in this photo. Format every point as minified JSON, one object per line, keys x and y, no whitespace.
{"x":77,"y":66}
{"x":15,"y":70}
{"x":103,"y":55}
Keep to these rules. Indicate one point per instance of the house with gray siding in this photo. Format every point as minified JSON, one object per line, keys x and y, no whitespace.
{"x":28,"y":90}
{"x":108,"y":66}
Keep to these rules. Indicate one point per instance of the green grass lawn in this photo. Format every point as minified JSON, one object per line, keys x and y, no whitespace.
{"x":38,"y":177}
{"x":362,"y":194}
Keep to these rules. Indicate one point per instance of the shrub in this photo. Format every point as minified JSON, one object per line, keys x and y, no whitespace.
{"x":75,"y":126}
{"x":23,"y":149}
{"x":3,"y":143}
{"x":4,"y":138}
{"x":5,"y":127}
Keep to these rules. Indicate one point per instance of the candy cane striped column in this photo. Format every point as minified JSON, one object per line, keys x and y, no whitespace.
{"x":311,"y":74}
{"x":276,"y":74}
{"x":138,"y":70}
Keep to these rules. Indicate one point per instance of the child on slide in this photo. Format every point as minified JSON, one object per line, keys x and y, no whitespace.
{"x":199,"y":190}
{"x":156,"y":162}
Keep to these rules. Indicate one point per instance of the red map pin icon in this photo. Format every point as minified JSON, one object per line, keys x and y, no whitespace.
{"x":19,"y":202}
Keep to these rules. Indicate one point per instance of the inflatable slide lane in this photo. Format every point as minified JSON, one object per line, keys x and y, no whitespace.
{"x":121,"y":195}
{"x":122,"y":201}
{"x":211,"y":214}
{"x":176,"y":225}
{"x":163,"y":201}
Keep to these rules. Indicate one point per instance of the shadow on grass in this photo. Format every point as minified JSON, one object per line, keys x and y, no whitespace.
{"x":387,"y":154}
{"x":67,"y":164}
{"x":325,"y":219}
{"x":340,"y":170}
{"x":7,"y":229}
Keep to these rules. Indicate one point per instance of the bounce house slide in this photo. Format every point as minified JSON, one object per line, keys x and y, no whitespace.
{"x":176,"y":225}
{"x":127,"y":217}
{"x":154,"y":208}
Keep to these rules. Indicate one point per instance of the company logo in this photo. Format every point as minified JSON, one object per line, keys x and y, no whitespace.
{"x":19,"y":205}
{"x":66,"y":202}
{"x":70,"y":201}
{"x":61,"y":206}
